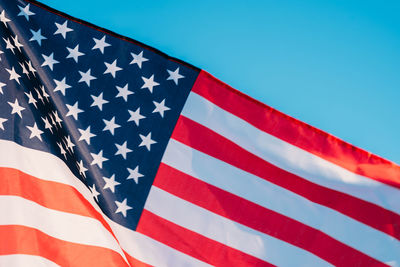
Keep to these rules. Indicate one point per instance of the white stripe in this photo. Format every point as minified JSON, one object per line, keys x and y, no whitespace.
{"x":289,"y":157}
{"x":227,"y":232}
{"x":22,"y":260}
{"x":62,"y":225}
{"x":150,"y":251}
{"x":36,"y":163}
{"x":271,"y":196}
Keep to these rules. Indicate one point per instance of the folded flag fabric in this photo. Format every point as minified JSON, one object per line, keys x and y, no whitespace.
{"x":115,"y":154}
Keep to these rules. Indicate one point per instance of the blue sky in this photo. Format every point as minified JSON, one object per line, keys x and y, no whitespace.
{"x":332,"y":64}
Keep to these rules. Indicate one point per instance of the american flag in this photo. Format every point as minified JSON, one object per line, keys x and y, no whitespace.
{"x":114,"y":154}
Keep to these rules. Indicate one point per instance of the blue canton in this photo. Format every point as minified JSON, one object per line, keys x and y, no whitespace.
{"x":104,"y":104}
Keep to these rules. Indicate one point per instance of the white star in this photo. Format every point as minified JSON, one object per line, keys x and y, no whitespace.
{"x":24,"y":70}
{"x":138,"y":59}
{"x":86,"y":135}
{"x":160,"y":108}
{"x":134,"y":174}
{"x":31,"y":69}
{"x":31,"y":99}
{"x":98,"y":101}
{"x":122,"y":207}
{"x":16,"y":108}
{"x":52,"y":121}
{"x":74,"y":53}
{"x":3,"y":18}
{"x":17,"y":43}
{"x":86,"y":77}
{"x":2,"y":120}
{"x":37,"y":36}
{"x":174,"y":75}
{"x":111,"y":125}
{"x":9,"y":44}
{"x":110,"y":183}
{"x":82,"y":169}
{"x":35,"y":132}
{"x":95,"y":194}
{"x":62,"y":150}
{"x":98,"y":159}
{"x":123,"y":92}
{"x":1,"y":52}
{"x":62,"y":29}
{"x":122,"y":149}
{"x":49,"y":61}
{"x":64,"y":141}
{"x":44,"y":93}
{"x":61,"y":86}
{"x":56,"y":117}
{"x":146,"y":141}
{"x":149,"y":83}
{"x":70,"y":145}
{"x":1,"y":87}
{"x":47,"y":124}
{"x":39,"y":95}
{"x":25,"y":11}
{"x":100,"y":44}
{"x":136,"y":116}
{"x":74,"y":110}
{"x":112,"y":68}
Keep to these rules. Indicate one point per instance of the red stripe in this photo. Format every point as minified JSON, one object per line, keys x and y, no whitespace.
{"x":259,"y":218}
{"x":63,"y":197}
{"x":193,"y":244}
{"x":217,"y":146}
{"x":17,"y":239}
{"x":296,"y":132}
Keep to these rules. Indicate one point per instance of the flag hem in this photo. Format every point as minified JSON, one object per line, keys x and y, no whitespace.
{"x":112,"y":33}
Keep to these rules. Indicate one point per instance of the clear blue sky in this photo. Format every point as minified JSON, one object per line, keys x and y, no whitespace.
{"x":332,"y":64}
